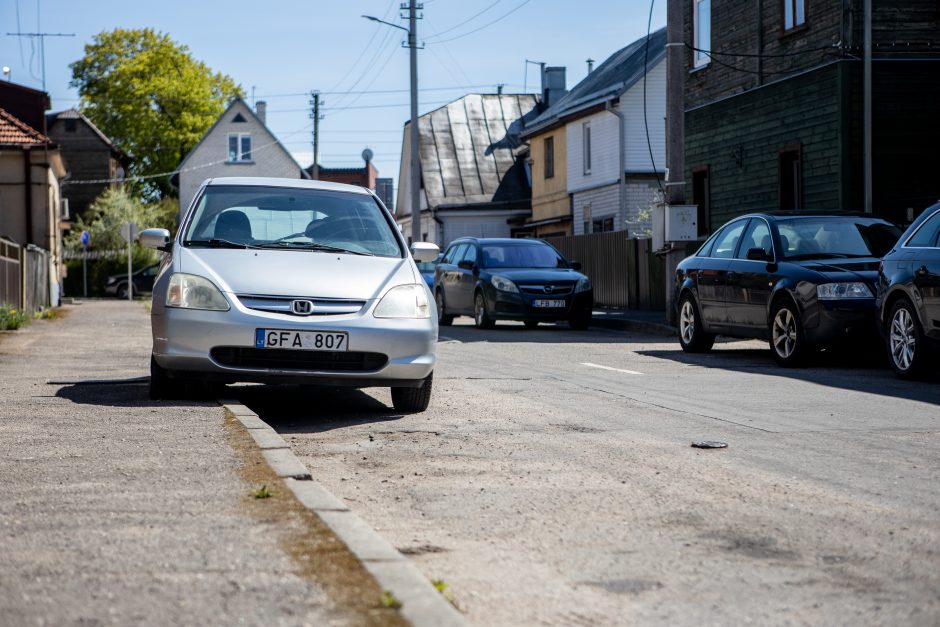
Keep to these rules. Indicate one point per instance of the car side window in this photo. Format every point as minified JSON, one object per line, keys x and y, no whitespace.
{"x":469,"y":253}
{"x":757,"y":235}
{"x":452,"y":256}
{"x":926,"y":235}
{"x":728,"y":240}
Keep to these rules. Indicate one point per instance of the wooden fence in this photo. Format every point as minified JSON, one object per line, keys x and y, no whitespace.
{"x":36,"y":276}
{"x":625,"y":272}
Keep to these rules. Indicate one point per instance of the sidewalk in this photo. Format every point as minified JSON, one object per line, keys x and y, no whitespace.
{"x":118,"y":510}
{"x":636,"y":320}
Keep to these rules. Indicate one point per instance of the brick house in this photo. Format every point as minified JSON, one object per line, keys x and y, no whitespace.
{"x":774,"y":114}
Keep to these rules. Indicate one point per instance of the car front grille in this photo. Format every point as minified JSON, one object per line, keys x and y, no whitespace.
{"x":319,"y":306}
{"x":283,"y":359}
{"x":560,"y":289}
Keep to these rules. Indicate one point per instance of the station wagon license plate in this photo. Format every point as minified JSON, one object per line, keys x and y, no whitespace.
{"x":548,"y":303}
{"x":301,"y":340}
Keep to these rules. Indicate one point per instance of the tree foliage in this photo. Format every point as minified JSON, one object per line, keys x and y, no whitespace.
{"x":151,"y":97}
{"x":113,"y":208}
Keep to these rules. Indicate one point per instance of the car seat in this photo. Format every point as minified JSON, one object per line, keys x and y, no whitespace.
{"x":234,"y":226}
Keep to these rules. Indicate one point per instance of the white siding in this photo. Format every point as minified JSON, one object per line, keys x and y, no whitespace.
{"x":604,"y":202}
{"x":637,"y":149}
{"x":208,"y":160}
{"x":491,"y":226}
{"x":604,"y":147}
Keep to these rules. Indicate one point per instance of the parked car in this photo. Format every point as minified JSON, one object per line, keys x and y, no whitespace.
{"x":510,"y":279}
{"x":801,"y":281}
{"x":426,"y":268}
{"x":909,"y":295}
{"x":142,"y":282}
{"x":291,"y":281}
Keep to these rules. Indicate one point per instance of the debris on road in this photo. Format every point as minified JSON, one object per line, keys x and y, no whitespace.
{"x":709,"y":444}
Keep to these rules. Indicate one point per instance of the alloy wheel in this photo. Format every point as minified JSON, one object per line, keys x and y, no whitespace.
{"x":784,"y":333}
{"x":687,"y":322}
{"x":479,"y":310}
{"x":902,"y":339}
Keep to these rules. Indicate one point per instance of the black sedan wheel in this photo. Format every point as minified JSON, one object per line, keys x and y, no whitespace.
{"x":905,"y":340}
{"x":442,"y":318}
{"x":787,"y":340}
{"x":480,"y":317}
{"x":413,"y":400}
{"x":692,"y":338}
{"x":122,"y":291}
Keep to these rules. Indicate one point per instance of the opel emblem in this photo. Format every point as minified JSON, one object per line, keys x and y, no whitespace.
{"x":301,"y":307}
{"x":548,"y":289}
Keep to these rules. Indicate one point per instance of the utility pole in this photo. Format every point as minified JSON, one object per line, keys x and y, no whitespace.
{"x":675,"y":131}
{"x":315,"y":115}
{"x":866,"y":96}
{"x":42,"y":48}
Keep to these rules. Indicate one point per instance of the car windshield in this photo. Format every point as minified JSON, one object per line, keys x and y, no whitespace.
{"x":836,"y":237}
{"x":530,"y":255}
{"x":230,"y":216}
{"x":427,"y":266}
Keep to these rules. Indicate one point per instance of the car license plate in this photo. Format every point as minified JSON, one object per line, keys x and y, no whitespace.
{"x":301,"y":340}
{"x":548,"y":303}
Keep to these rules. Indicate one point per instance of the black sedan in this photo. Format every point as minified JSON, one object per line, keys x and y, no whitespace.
{"x":909,"y":295}
{"x":142,"y":282}
{"x":510,"y":279}
{"x":802,"y":281}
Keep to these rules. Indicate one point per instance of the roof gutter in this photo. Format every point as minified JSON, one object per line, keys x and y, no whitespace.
{"x":621,"y":178}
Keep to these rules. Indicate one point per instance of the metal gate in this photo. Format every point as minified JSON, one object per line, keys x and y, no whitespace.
{"x":11,"y":274}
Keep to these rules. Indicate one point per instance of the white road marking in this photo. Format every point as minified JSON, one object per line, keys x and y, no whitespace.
{"x":590,"y":365}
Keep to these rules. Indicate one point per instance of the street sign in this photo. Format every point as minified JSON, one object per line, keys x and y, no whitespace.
{"x":86,"y":239}
{"x":129,"y":231}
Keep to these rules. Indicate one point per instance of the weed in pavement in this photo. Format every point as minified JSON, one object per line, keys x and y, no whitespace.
{"x":12,"y":318}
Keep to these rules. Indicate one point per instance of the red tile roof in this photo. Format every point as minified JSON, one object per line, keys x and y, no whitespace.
{"x":14,"y":132}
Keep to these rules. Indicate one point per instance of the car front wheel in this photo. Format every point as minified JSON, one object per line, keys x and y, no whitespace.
{"x":905,"y":340}
{"x":413,"y":400}
{"x":443,"y":319}
{"x":480,"y":316}
{"x":692,"y":337}
{"x":122,"y":291}
{"x":162,"y":387}
{"x":787,"y":339}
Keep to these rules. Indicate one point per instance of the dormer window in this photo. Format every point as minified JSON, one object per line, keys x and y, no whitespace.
{"x":239,"y":147}
{"x":794,"y":14}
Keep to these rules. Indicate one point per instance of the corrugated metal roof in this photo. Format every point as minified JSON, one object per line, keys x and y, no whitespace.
{"x":14,"y":132}
{"x":468,"y":149}
{"x":619,"y":72}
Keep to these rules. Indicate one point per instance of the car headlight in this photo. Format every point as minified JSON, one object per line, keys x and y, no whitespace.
{"x":189,"y":291}
{"x":503,"y":284}
{"x":840,"y":291}
{"x":584,"y":285}
{"x":404,"y":301}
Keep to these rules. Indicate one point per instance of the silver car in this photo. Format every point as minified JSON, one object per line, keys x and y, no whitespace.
{"x":291,"y":281}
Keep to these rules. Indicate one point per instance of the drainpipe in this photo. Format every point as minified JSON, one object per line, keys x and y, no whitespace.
{"x":28,"y":177}
{"x":867,"y":105}
{"x":621,"y":179}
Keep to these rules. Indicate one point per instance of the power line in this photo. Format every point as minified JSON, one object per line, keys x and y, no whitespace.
{"x":487,"y":25}
{"x":469,"y":19}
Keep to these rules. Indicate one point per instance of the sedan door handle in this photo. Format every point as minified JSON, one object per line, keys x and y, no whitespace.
{"x":922,"y":271}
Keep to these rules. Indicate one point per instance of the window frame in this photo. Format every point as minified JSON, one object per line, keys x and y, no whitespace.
{"x":936,"y":239}
{"x":747,"y":231}
{"x":725,"y":230}
{"x":788,"y":150}
{"x":548,"y":168}
{"x":792,"y":5}
{"x":239,"y":145}
{"x":701,"y":59}
{"x":586,"y":147}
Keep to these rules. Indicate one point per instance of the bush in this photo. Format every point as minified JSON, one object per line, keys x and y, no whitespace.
{"x":12,"y":318}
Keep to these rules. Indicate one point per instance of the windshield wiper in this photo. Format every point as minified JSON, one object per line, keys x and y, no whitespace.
{"x":217,"y":243}
{"x":314,"y":246}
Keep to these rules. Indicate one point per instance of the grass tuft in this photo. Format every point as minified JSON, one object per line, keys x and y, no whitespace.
{"x":390,"y":601}
{"x":12,"y":318}
{"x":262,"y":493}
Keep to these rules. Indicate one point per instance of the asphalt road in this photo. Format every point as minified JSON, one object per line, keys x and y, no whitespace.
{"x":552,"y":480}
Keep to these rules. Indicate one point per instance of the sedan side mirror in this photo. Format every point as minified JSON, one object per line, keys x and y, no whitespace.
{"x":466,"y":264}
{"x":575,"y":265}
{"x":425,"y":251}
{"x":155,"y":238}
{"x":758,"y":254}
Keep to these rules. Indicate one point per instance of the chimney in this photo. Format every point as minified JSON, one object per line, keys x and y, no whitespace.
{"x":261,"y":110}
{"x":590,"y":63}
{"x":553,"y":85}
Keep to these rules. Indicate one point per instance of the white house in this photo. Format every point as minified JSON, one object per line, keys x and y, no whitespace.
{"x":238,"y":144}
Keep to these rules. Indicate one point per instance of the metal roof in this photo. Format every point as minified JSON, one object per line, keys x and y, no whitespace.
{"x":618,"y":73}
{"x":75,"y":114}
{"x":15,"y":132}
{"x":468,"y":149}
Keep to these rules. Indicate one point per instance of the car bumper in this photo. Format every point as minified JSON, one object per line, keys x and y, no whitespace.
{"x":520,"y":306}
{"x":220,"y":346}
{"x":835,"y":321}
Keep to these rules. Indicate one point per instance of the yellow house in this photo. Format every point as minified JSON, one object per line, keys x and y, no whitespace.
{"x":551,"y":204}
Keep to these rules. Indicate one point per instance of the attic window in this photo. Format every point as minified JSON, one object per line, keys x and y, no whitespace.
{"x":70,"y":125}
{"x":239,"y":147}
{"x":239,"y":118}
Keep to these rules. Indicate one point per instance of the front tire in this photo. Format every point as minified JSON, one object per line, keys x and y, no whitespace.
{"x":443,"y":319}
{"x":413,"y":400}
{"x":580,"y":322}
{"x":122,"y":291}
{"x":480,"y":317}
{"x":692,"y":336}
{"x":788,"y":343}
{"x":905,"y":340}
{"x":162,"y":387}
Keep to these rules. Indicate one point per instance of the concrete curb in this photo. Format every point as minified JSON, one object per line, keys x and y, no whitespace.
{"x":421,"y":604}
{"x":637,"y":326}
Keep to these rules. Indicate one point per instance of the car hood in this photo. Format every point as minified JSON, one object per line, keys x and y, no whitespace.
{"x":860,"y":269}
{"x":296,"y":272}
{"x":536,"y":276}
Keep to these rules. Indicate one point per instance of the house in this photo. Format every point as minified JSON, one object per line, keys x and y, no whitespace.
{"x":775,"y":107}
{"x":598,"y":150}
{"x":473,"y":179}
{"x":363,"y":177}
{"x":385,"y":190}
{"x":26,"y":104}
{"x":90,"y":156}
{"x":238,"y":144}
{"x":31,"y":167}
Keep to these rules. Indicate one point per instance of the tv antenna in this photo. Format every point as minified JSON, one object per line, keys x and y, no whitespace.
{"x":42,"y":47}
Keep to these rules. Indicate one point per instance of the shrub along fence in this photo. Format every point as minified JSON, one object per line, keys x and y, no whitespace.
{"x":624,"y":271}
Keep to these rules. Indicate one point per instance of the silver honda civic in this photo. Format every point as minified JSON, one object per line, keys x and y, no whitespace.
{"x":291,"y":281}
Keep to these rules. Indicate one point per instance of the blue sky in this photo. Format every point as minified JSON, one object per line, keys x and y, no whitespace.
{"x":282,"y":49}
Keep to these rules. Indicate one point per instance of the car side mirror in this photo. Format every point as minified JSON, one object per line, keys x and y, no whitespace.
{"x":425,"y":251}
{"x":155,"y":238}
{"x":758,"y":254}
{"x":575,"y":265}
{"x":466,"y":264}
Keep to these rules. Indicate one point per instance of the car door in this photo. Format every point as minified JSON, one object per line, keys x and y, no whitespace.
{"x":750,"y":282}
{"x":468,"y":269}
{"x":447,"y":274}
{"x":926,"y":272}
{"x":712,"y":274}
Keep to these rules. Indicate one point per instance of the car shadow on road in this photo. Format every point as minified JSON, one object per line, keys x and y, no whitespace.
{"x":546,"y":333}
{"x":850,"y":370}
{"x":312,"y":409}
{"x":119,"y":393}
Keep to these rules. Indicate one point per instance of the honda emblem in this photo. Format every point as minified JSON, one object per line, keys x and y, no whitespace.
{"x":301,"y":307}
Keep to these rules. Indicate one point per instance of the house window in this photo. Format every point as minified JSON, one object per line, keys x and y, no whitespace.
{"x":700,"y":197}
{"x":794,"y":14}
{"x":587,"y":219}
{"x":549,"y":157}
{"x":703,"y":30}
{"x":239,"y":147}
{"x":603,"y":225}
{"x":791,"y":179}
{"x":586,"y":139}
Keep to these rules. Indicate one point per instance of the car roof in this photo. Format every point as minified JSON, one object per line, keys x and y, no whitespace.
{"x":498,"y":240}
{"x":814,"y":214}
{"x":265,"y":181}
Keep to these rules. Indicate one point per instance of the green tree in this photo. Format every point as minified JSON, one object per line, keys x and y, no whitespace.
{"x":151,"y":97}
{"x":113,"y":208}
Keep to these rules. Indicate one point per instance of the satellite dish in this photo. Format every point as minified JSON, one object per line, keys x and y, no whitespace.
{"x":367,"y":155}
